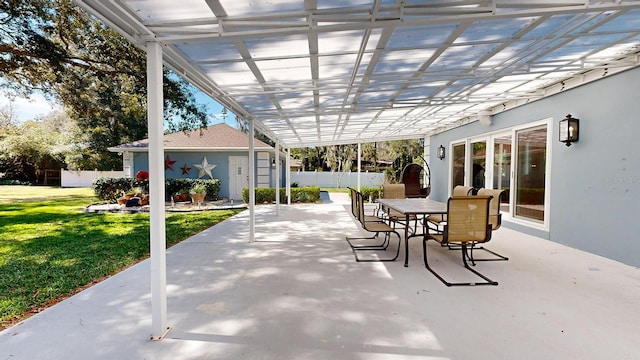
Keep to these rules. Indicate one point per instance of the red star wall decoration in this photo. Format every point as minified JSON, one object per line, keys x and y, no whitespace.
{"x":185,"y":169}
{"x":168,"y":163}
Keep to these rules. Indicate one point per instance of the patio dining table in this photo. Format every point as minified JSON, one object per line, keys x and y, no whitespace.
{"x":420,"y":208}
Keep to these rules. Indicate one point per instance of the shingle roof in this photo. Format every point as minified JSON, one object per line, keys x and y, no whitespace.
{"x":214,"y":137}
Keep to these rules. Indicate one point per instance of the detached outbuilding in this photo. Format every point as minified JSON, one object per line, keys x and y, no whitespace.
{"x":218,"y":152}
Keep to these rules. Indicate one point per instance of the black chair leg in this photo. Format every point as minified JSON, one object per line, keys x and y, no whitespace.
{"x":388,"y":236}
{"x":498,"y":257}
{"x":381,"y":246}
{"x":426,"y":263}
{"x":466,"y":265}
{"x":470,"y":256}
{"x":463,"y":249}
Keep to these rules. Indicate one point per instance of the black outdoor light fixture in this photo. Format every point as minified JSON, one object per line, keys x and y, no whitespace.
{"x":569,"y":130}
{"x":441,"y":152}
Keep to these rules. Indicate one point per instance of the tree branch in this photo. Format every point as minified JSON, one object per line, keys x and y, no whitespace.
{"x":85,"y":63}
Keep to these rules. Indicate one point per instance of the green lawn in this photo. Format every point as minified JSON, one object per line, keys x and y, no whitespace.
{"x":336,"y":190}
{"x":50,"y":248}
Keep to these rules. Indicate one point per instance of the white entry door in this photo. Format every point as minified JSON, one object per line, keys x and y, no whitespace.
{"x":238,"y":176}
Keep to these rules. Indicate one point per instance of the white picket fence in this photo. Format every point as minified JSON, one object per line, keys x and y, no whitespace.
{"x":84,"y":178}
{"x":329,"y":179}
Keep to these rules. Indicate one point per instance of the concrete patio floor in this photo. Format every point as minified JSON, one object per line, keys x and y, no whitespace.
{"x":297,"y":293}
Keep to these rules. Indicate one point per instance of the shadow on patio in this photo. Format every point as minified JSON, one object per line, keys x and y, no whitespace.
{"x":297,"y":293}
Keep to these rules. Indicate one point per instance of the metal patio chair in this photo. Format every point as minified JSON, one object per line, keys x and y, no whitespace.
{"x":467,"y":225}
{"x":377,"y":227}
{"x":495,"y":219}
{"x":395,"y":191}
{"x":366,"y":218}
{"x":436,"y":222}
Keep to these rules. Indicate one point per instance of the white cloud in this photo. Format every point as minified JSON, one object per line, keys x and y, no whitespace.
{"x":29,"y":108}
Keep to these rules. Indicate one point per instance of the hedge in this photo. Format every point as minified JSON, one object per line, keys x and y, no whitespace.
{"x":14,"y":182}
{"x":110,"y":189}
{"x":268,"y":195}
{"x":370,"y":193}
{"x":182,"y":186}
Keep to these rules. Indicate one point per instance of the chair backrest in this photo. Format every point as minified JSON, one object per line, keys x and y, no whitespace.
{"x":468,"y":219}
{"x":495,"y":218}
{"x":360,"y":207}
{"x":354,"y":204}
{"x":393,"y":191}
{"x":460,"y":190}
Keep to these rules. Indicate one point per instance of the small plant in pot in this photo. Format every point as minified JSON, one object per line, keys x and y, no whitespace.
{"x":198,"y":192}
{"x":181,"y":195}
{"x":130,"y":193}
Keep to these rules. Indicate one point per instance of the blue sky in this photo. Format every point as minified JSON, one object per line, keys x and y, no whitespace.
{"x":28,"y":108}
{"x":214,"y":109}
{"x":37,"y":106}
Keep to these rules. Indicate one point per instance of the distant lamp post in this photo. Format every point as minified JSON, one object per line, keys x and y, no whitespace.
{"x":441,"y":152}
{"x":569,"y":130}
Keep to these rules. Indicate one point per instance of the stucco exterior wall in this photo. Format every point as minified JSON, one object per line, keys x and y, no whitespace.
{"x":595,"y":183}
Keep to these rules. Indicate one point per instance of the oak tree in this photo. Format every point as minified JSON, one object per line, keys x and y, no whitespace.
{"x":99,"y":77}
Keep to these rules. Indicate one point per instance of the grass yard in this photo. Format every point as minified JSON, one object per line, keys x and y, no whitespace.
{"x":336,"y":190}
{"x":50,"y":249}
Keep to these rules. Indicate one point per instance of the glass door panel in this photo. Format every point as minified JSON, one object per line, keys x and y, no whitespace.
{"x":502,"y":168}
{"x":530,"y":172}
{"x":457,"y":165}
{"x":478,"y":163}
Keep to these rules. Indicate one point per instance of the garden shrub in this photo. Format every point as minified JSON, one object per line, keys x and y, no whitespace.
{"x":371,"y":193}
{"x":180,"y":186}
{"x":268,"y":195}
{"x":14,"y":182}
{"x":110,"y":189}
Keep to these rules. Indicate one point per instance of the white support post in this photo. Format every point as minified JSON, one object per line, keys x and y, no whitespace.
{"x":426,"y":153}
{"x":359,"y":164}
{"x":252,"y":184}
{"x":288,"y":162}
{"x":155,"y":125}
{"x":277,"y":178}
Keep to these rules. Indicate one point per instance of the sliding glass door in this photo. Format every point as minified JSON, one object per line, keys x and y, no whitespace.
{"x":478,"y":163}
{"x":501,"y":169}
{"x":458,"y":163}
{"x":514,"y":160}
{"x":531,"y":157}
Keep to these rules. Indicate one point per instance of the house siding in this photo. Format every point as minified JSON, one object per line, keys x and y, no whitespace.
{"x":594,"y":184}
{"x":220,"y":172}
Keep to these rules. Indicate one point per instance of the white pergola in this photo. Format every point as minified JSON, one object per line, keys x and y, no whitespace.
{"x":313,"y":73}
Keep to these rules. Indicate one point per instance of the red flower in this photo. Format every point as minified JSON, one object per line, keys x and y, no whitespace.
{"x":142,"y":175}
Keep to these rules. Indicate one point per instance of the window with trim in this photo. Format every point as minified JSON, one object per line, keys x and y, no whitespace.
{"x":531,"y":158}
{"x":458,"y":161}
{"x":514,"y":160}
{"x":501,"y":168}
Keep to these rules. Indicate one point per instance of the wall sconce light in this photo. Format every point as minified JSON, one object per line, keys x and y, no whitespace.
{"x":273,"y":163}
{"x":569,"y":130}
{"x":441,"y":152}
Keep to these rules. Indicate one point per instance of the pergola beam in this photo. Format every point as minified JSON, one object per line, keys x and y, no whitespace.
{"x":364,"y":18}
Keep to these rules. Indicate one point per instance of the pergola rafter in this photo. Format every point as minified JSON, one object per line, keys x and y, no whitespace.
{"x":400,"y":64}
